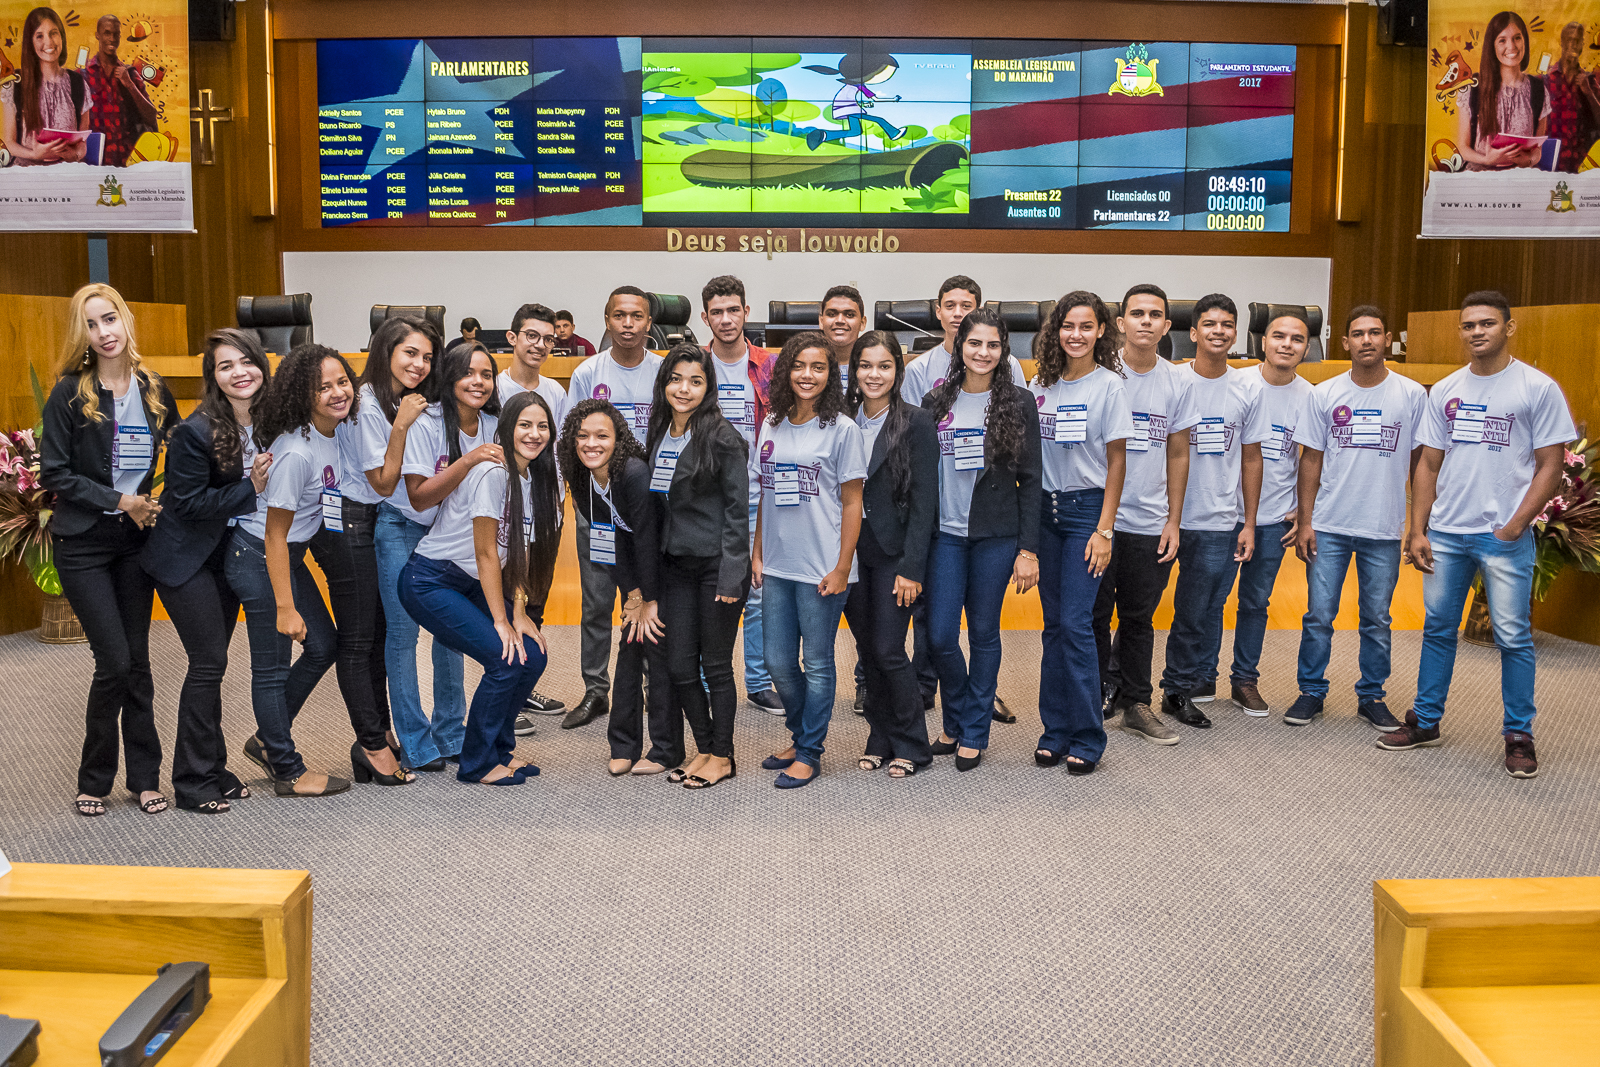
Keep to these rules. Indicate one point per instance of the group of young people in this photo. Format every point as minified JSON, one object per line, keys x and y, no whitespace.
{"x":731,"y":486}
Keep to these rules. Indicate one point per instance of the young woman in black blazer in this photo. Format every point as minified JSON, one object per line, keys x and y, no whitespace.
{"x":990,"y":478}
{"x":700,"y":482}
{"x":104,"y":425}
{"x":603,"y":464}
{"x":899,"y":505}
{"x":214,"y":470}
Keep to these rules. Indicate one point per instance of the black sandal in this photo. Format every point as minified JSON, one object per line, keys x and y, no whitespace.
{"x":154,"y":806}
{"x":869,"y":762}
{"x":904,"y":767}
{"x":1082,"y":767}
{"x":90,"y":808}
{"x":677,"y":774}
{"x":694,"y":781}
{"x":238,"y":792}
{"x":208,"y":807}
{"x":1045,"y":758}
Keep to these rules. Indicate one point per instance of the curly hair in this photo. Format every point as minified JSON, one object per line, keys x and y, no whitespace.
{"x":528,"y":571}
{"x":1009,"y":402}
{"x":1053,"y":358}
{"x":705,"y":421}
{"x":456,"y":365}
{"x":380,"y":359}
{"x":829,"y":404}
{"x":216,"y":406}
{"x":292,"y":395}
{"x":572,"y":468}
{"x":896,"y":422}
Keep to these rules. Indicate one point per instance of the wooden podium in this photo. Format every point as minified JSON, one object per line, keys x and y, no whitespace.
{"x":79,"y":943}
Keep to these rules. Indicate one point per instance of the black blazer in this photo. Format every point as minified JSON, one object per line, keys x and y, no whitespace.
{"x":1006,"y":500}
{"x":638,"y":563}
{"x":75,"y":455}
{"x":905,"y":531}
{"x":711,"y":518}
{"x":198,"y":498}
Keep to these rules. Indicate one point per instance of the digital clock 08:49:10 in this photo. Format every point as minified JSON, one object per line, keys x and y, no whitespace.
{"x":1221,"y":183}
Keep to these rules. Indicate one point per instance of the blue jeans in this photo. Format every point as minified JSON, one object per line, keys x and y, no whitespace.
{"x":796,"y":616}
{"x":422,"y":740}
{"x":1069,"y":676}
{"x":963,"y":573}
{"x":1206,"y":570}
{"x":1377,"y":571}
{"x":1507,"y":568}
{"x":1256,"y":578}
{"x":449,"y":602}
{"x":279,"y":683}
{"x":756,"y":678}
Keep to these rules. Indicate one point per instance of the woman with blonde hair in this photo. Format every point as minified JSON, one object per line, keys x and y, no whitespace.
{"x":104,"y":425}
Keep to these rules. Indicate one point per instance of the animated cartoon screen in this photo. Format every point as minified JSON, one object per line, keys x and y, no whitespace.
{"x":731,"y":131}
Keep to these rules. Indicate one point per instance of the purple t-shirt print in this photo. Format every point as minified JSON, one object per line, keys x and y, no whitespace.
{"x":330,"y":479}
{"x":602,"y":391}
{"x":1341,"y":415}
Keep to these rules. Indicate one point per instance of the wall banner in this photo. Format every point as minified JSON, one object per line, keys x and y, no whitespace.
{"x":94,"y":117}
{"x":1513,"y":119}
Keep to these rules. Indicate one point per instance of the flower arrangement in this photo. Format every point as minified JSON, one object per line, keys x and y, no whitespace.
{"x":25,"y":505}
{"x":1567,"y":532}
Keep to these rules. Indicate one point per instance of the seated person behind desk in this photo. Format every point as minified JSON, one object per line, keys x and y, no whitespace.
{"x":569,"y":343}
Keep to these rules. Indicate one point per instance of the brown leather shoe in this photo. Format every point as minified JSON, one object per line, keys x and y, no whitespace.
{"x":1411,"y":735}
{"x":1520,"y":760}
{"x":1248,"y":697}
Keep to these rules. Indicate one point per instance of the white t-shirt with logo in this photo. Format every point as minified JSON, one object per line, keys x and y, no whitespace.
{"x":426,"y":453}
{"x":1158,"y":401}
{"x":1488,"y":428}
{"x":133,"y":448}
{"x":962,"y":441}
{"x":629,"y":389}
{"x":1228,"y":416}
{"x":352,"y":437}
{"x":375,"y":429}
{"x":803,"y":469}
{"x":736,"y":394}
{"x":1366,"y":437}
{"x":1280,"y":459}
{"x":507,"y":387}
{"x":304,"y":479}
{"x":930,"y":370}
{"x":481,"y":495}
{"x":1076,"y":419}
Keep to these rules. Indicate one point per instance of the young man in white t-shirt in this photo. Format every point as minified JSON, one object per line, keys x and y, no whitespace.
{"x":744,"y":374}
{"x":1359,"y":433}
{"x":624,"y":374}
{"x":1493,"y":442}
{"x":1282,"y":392}
{"x":958,"y":297}
{"x":1219,"y":508}
{"x":1145,"y":538}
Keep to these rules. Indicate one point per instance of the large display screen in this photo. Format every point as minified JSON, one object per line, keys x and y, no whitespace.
{"x":742,"y":131}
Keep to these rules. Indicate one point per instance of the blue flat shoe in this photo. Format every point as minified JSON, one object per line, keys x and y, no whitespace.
{"x":777,"y":763}
{"x":788,"y":781}
{"x":526,"y":771}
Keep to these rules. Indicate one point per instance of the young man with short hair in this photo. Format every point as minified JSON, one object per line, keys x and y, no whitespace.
{"x":567,"y":339}
{"x":744,"y":376}
{"x":958,"y":297}
{"x":1219,"y":508}
{"x":1493,"y":437}
{"x":121,"y":105}
{"x":1145,"y":537}
{"x":1359,"y":432}
{"x":1282,"y":392}
{"x":469,"y":329}
{"x":624,"y":374}
{"x":841,"y":319}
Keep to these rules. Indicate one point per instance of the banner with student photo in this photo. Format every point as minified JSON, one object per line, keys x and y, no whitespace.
{"x":94,"y":117}
{"x":1513,"y":119}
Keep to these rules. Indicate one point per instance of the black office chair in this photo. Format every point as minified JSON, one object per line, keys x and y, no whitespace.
{"x":911,"y":321}
{"x":495,"y":340}
{"x":1261,"y":316}
{"x":433,"y":313}
{"x":785,"y":318}
{"x":1177,"y":346}
{"x":669,"y":320}
{"x":1024,"y":320}
{"x":279,"y":322}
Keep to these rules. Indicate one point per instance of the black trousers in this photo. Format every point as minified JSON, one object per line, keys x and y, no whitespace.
{"x":203,"y":610}
{"x":625,"y":731}
{"x":1132,"y":585}
{"x":700,"y":635}
{"x":921,"y":661}
{"x":898,"y":729}
{"x":350,"y":564}
{"x":112,"y":597}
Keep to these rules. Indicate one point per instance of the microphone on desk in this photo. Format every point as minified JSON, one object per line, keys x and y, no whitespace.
{"x":19,"y":1041}
{"x":157,"y":1017}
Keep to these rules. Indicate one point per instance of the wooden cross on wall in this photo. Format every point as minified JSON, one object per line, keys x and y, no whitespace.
{"x":205,"y":115}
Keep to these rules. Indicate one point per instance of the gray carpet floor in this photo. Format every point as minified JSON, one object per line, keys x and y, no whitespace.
{"x":1208,"y":903}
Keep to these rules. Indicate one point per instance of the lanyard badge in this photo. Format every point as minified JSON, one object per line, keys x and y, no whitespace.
{"x":1140,"y":441}
{"x":786,"y":485}
{"x":1468,"y":426}
{"x":969,"y":449}
{"x":1209,"y":436}
{"x":1072,"y":424}
{"x":661,"y":475}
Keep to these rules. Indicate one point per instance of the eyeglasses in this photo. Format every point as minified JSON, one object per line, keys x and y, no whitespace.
{"x":538,"y":340}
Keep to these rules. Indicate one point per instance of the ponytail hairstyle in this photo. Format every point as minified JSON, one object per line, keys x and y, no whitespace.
{"x":829,"y":403}
{"x":1007,"y":405}
{"x":456,"y":365}
{"x":896,"y":421}
{"x":530,"y":571}
{"x":78,"y":358}
{"x":379,"y":375}
{"x":1053,"y":358}
{"x":705,"y":422}
{"x":216,"y":406}
{"x":293,"y":396}
{"x":572,"y":468}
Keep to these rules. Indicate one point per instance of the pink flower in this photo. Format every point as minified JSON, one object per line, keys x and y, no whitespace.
{"x":26,"y":437}
{"x":26,"y":480}
{"x":1571,"y":458}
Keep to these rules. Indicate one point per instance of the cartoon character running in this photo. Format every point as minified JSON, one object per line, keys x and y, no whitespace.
{"x":857,"y":71}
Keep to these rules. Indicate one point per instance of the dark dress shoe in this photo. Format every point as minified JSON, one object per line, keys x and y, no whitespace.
{"x":433,"y":766}
{"x":591,"y":707}
{"x":941,"y":748}
{"x":967,"y":763}
{"x":1186,"y":711}
{"x":1001,"y":712}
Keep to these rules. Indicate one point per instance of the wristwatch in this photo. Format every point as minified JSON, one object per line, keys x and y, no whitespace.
{"x":1104,"y":533}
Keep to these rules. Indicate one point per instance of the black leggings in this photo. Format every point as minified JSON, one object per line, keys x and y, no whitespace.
{"x":203,"y":610}
{"x":700,"y":633}
{"x":898,"y":727}
{"x":350,"y":565}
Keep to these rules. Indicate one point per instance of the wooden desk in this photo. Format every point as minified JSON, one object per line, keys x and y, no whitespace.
{"x":78,"y":943}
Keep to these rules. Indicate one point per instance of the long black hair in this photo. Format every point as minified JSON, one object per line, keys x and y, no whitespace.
{"x":1053,"y":358}
{"x":829,"y":403}
{"x":897,"y":421}
{"x":706,"y":422}
{"x":572,"y":468}
{"x":379,"y":373}
{"x":293,"y":394}
{"x":456,"y":365}
{"x":857,"y":68}
{"x":1007,"y":405}
{"x":530,"y":571}
{"x":216,"y":406}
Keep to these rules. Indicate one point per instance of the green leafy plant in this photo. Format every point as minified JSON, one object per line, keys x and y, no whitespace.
{"x":25,"y":505}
